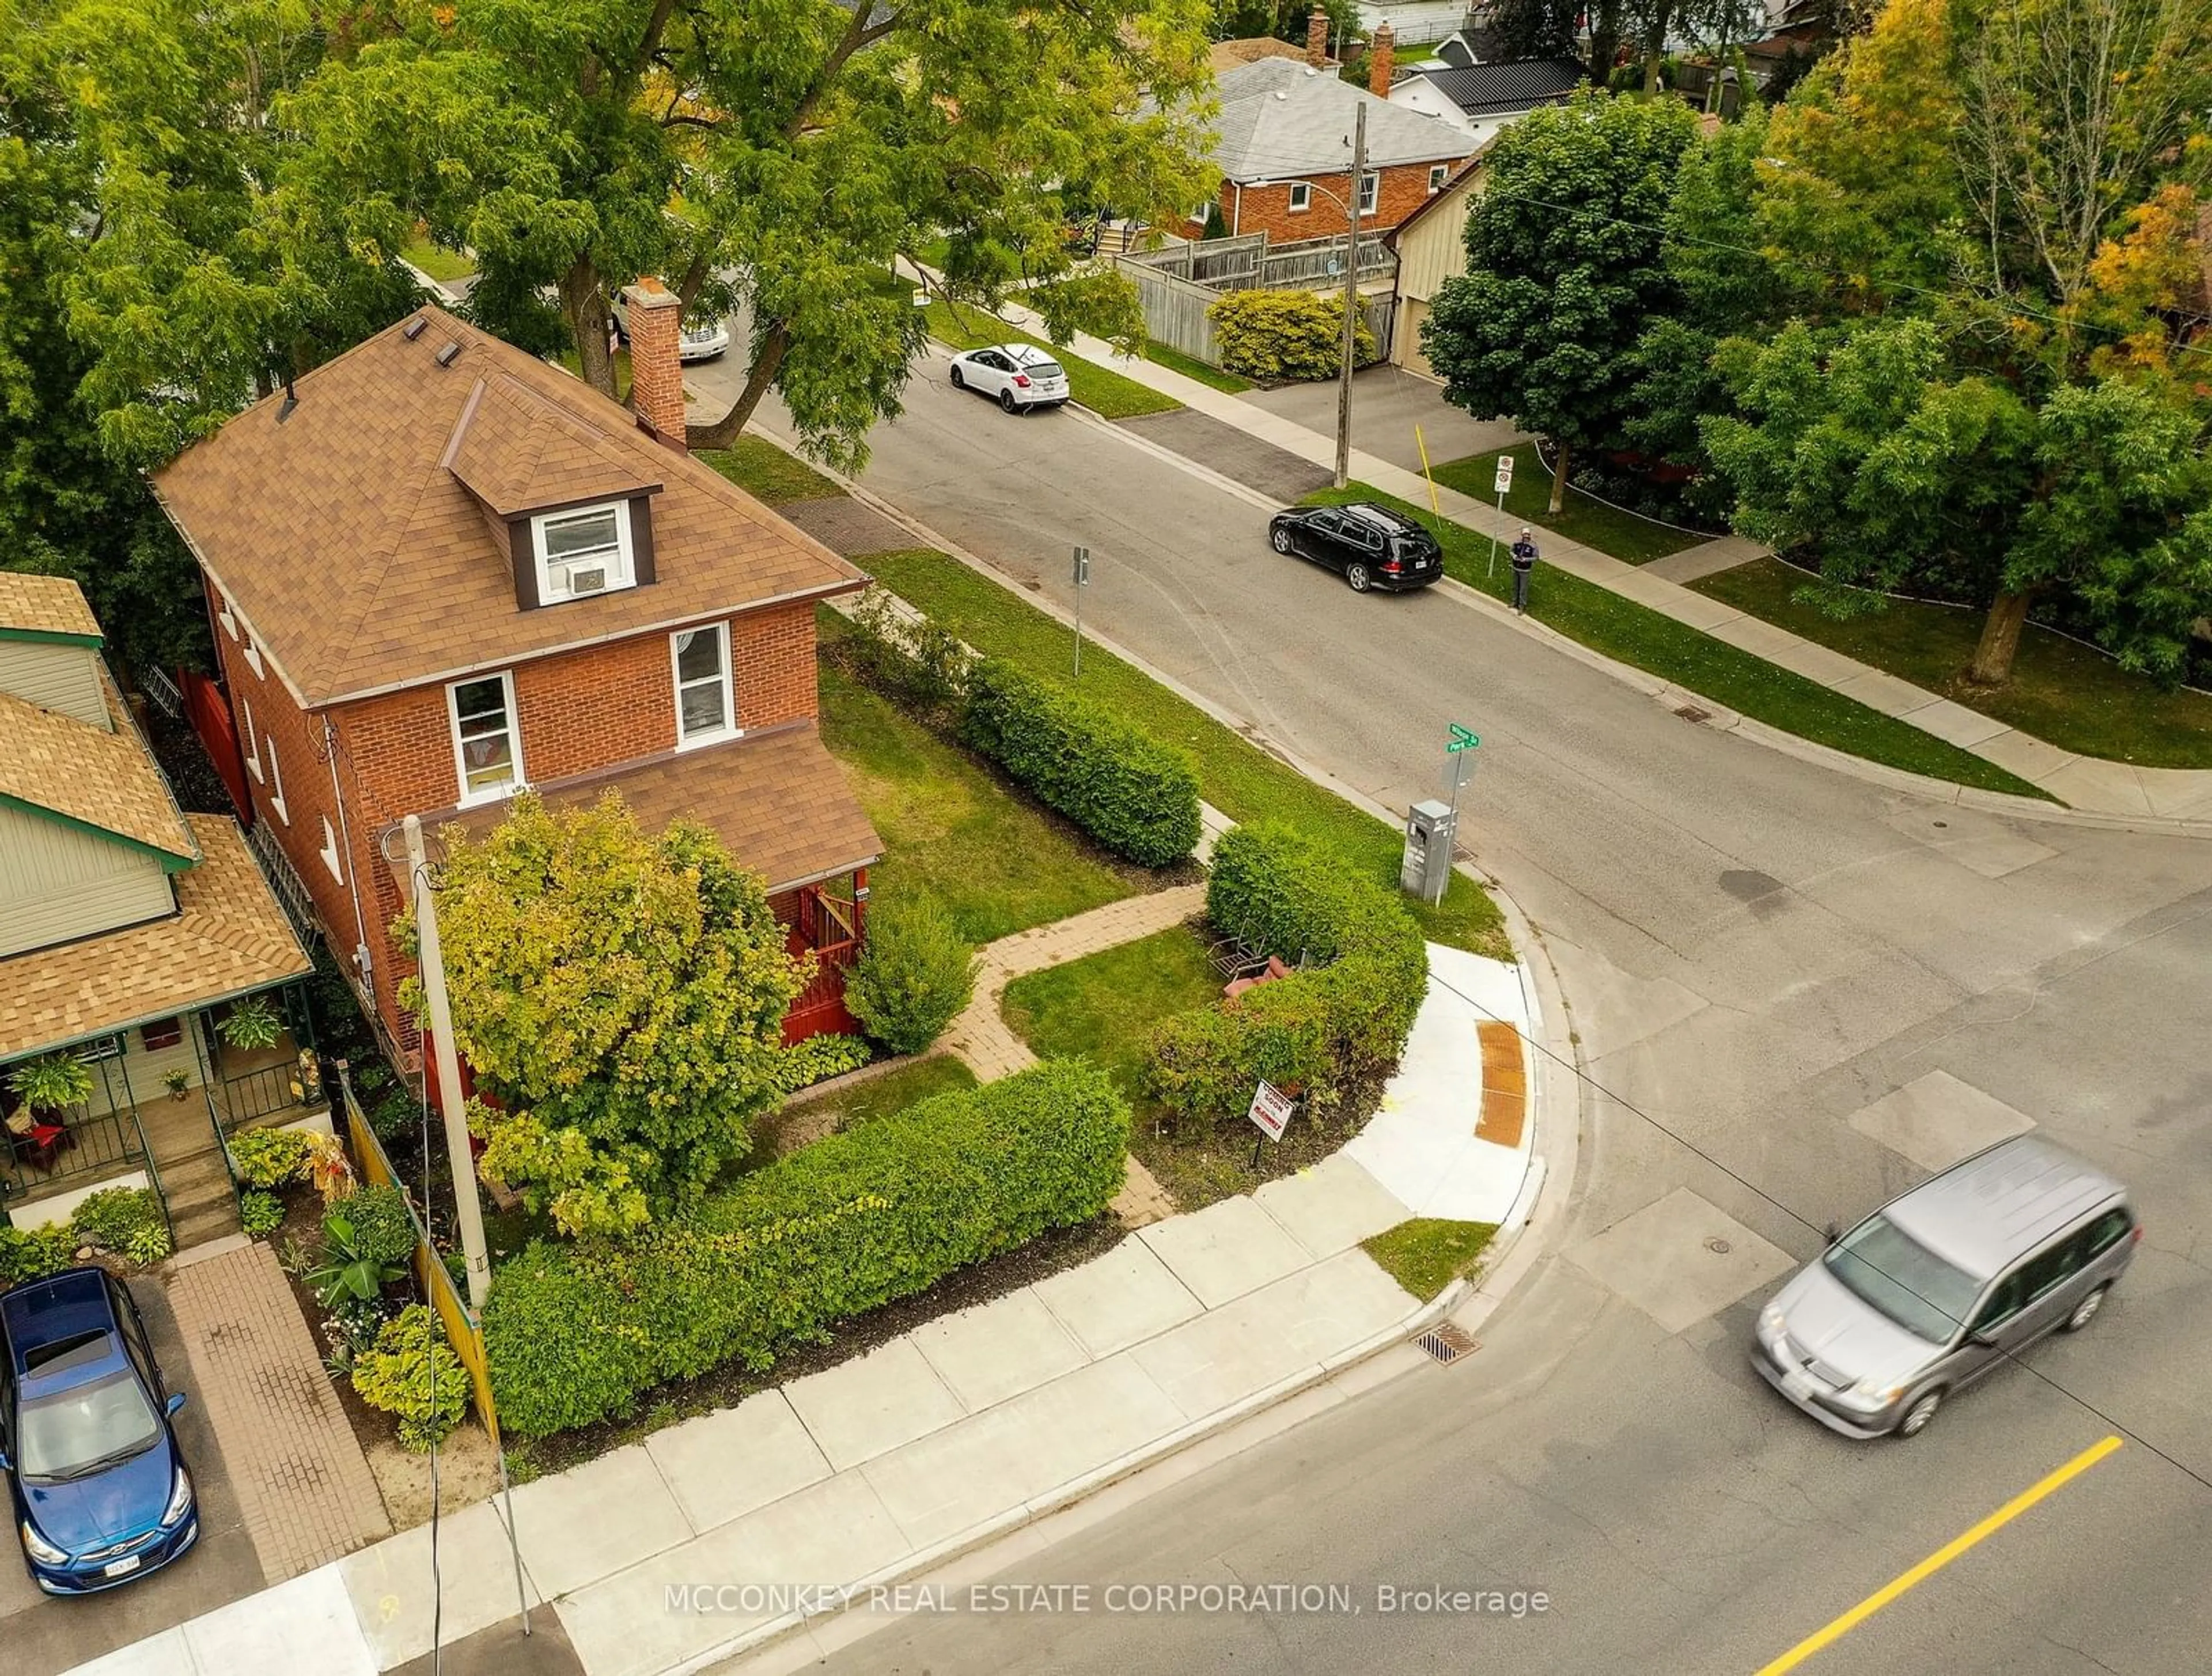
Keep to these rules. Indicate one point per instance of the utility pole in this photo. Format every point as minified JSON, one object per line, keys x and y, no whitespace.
{"x":467,"y":1211}
{"x":1350,"y":296}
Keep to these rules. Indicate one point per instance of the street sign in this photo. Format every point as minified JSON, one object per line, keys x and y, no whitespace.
{"x":1504,"y":472}
{"x":1460,"y":740}
{"x":1271,"y":1110}
{"x":1082,"y":566}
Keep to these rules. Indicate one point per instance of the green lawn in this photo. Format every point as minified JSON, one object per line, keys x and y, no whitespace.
{"x":1191,"y":367}
{"x":892,"y":1092}
{"x":1103,"y":1006}
{"x":1235,"y":776}
{"x":997,"y":862}
{"x":441,"y":264}
{"x":1428,"y":1253}
{"x":1622,"y":535}
{"x":1108,"y":394}
{"x":1635,"y":634}
{"x":2061,"y":691}
{"x":760,"y":468}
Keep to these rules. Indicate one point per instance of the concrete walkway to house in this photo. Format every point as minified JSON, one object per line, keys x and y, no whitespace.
{"x":304,"y":1487}
{"x":2093,"y":785}
{"x":768,"y":1518}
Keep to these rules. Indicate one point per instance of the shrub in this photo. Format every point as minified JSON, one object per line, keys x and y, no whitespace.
{"x":1135,"y":795}
{"x":396,"y":1116}
{"x":914,"y":977}
{"x":1286,"y":334}
{"x":576,"y":1332}
{"x":379,"y":1227}
{"x":127,"y":1221}
{"x":413,"y":1373}
{"x":351,"y":1265}
{"x":269,"y":1158}
{"x":33,"y":1253}
{"x":818,"y":1058}
{"x":907,"y":657}
{"x":1316,"y":1032}
{"x":260,"y":1214}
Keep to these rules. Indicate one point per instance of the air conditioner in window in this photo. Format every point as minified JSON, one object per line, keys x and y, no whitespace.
{"x":584,"y":579}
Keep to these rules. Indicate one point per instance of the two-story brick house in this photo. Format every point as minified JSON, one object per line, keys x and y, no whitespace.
{"x":441,"y":570}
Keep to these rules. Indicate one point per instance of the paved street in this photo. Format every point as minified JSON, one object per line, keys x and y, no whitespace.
{"x":1757,"y":950}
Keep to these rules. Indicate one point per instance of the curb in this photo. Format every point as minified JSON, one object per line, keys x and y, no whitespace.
{"x":1067,"y":1495}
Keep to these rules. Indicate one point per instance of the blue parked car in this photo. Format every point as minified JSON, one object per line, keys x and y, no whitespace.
{"x":100,"y":1491}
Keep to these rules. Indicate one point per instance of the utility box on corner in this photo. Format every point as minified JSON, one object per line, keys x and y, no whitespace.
{"x":1426,"y":869}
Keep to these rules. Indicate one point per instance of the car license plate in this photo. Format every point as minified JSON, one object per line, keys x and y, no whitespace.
{"x":122,"y":1567}
{"x":1798,"y":1383}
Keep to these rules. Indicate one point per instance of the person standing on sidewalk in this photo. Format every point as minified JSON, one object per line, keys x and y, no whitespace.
{"x":1524,"y":561}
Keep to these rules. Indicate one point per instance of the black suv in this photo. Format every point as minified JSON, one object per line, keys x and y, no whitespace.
{"x":1369,"y":545}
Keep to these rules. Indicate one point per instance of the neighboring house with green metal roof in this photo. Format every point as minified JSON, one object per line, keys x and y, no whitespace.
{"x":129,"y":932}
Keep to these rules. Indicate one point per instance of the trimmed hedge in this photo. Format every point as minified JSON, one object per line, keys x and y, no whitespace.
{"x":1286,"y":334}
{"x":853,"y":1222}
{"x":1314,"y":1033}
{"x":1135,"y":795}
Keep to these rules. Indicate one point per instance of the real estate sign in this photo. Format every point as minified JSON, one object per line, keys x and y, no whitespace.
{"x":1271,"y":1111}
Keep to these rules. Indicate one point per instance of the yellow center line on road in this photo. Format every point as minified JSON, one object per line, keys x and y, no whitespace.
{"x":1941,"y":1557}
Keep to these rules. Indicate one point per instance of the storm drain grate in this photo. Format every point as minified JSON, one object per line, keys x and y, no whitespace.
{"x":1692,"y":713}
{"x":1447,"y":1343}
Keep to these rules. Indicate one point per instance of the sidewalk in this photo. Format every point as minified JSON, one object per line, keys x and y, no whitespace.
{"x":2090,"y":784}
{"x":729,"y":1530}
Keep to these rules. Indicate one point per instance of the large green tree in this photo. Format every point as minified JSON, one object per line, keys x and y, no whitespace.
{"x":621,"y":994}
{"x":771,"y":158}
{"x":1563,"y":266}
{"x":155,"y":276}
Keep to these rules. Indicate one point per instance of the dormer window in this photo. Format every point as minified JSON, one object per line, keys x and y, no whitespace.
{"x":582,"y":552}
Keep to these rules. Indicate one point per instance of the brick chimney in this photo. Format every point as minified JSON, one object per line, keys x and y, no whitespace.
{"x":1317,"y":38}
{"x":656,"y":387}
{"x":1381,"y":60}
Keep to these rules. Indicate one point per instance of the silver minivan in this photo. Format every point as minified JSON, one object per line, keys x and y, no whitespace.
{"x":1941,"y":1285}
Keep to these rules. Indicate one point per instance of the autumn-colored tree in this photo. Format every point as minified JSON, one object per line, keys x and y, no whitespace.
{"x":619,"y":993}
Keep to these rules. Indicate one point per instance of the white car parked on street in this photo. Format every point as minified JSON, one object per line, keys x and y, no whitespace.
{"x":702,"y":340}
{"x":1021,"y":375}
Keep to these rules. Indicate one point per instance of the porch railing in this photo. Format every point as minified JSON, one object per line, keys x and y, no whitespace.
{"x":259,"y":1093}
{"x":93,"y":1145}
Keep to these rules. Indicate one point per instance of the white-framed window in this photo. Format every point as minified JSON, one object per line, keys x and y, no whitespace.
{"x":1301,"y":197}
{"x":487,"y":743}
{"x":330,"y":851}
{"x":276,"y":782}
{"x":706,"y":707}
{"x":252,"y":743}
{"x":227,"y":616}
{"x":253,"y":656}
{"x":583,"y":552}
{"x":1371,"y":185}
{"x":1438,"y":173}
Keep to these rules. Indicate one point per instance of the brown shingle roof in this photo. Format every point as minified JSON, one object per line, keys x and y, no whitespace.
{"x":44,"y":605}
{"x":776,"y":797}
{"x":517,"y":452}
{"x":227,"y":936}
{"x":58,"y":765}
{"x":362,"y":563}
{"x":1228,"y":54}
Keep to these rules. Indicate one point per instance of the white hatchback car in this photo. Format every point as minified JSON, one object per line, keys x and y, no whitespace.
{"x":1021,"y":375}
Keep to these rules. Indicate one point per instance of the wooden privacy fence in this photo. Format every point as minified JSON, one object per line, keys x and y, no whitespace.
{"x":463,"y":1331}
{"x":1174,"y":311}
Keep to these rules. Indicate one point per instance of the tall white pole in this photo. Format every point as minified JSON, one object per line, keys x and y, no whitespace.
{"x":467,"y":1211}
{"x":1350,"y":297}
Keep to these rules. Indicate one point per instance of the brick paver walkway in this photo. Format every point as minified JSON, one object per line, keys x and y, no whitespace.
{"x":981,"y":1036}
{"x":303,"y":1485}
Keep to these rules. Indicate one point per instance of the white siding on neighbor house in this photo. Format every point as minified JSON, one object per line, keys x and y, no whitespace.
{"x":59,"y":883}
{"x":55,"y":677}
